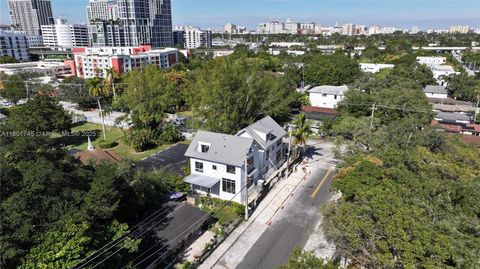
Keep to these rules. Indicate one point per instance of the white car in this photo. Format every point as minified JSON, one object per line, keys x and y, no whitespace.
{"x":5,"y":103}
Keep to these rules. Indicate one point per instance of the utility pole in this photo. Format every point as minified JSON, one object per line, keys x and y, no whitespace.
{"x":476,"y":109}
{"x":289,"y":148}
{"x":246,"y":186}
{"x":371,"y":116}
{"x":103,"y":120}
{"x":28,"y":92}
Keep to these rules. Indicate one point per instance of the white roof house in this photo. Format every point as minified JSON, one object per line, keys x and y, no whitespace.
{"x":222,"y":164}
{"x":374,"y":68}
{"x":434,"y":91}
{"x":327,"y":96}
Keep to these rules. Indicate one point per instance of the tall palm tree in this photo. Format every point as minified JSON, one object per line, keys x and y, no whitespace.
{"x":94,"y":86}
{"x":302,"y":129}
{"x":95,"y":89}
{"x":109,"y":81}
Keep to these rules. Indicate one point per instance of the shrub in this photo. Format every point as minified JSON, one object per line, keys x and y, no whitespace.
{"x":139,"y":139}
{"x":107,"y":144}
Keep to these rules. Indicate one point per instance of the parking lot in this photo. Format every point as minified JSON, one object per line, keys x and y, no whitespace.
{"x":172,"y":159}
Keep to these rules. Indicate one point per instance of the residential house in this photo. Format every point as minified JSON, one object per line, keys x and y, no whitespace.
{"x":269,"y":136}
{"x":221,"y":164}
{"x":374,"y":68}
{"x":327,"y":96}
{"x":433,"y":91}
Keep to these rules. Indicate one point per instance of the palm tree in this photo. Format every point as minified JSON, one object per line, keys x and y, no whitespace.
{"x":94,"y":85}
{"x":109,"y":81}
{"x":95,"y":89}
{"x":301,"y":130}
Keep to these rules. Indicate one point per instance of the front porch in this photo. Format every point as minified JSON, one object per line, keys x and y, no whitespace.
{"x":204,"y":185}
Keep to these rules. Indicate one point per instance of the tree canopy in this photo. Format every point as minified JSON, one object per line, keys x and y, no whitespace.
{"x":232,"y":92}
{"x":408,"y":191}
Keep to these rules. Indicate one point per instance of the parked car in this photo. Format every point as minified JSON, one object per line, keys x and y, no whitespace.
{"x":180,"y":121}
{"x":5,"y":103}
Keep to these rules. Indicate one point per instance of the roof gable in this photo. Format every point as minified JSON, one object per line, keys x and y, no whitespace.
{"x":265,"y":131}
{"x":222,"y":148}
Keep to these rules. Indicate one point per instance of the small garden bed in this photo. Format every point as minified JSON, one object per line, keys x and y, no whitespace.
{"x":225,"y":212}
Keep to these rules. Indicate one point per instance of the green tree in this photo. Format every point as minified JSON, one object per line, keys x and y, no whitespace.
{"x":60,"y":248}
{"x":13,"y":89}
{"x":7,"y":59}
{"x":336,"y":69}
{"x":232,"y":92}
{"x":302,"y":129}
{"x":40,"y":114}
{"x":462,"y":86}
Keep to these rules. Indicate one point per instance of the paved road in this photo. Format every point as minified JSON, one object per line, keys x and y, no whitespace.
{"x":172,"y":158}
{"x":295,"y":223}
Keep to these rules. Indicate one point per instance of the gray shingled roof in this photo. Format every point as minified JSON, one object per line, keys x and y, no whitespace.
{"x":263,"y":125}
{"x":453,"y":117}
{"x":226,"y":149}
{"x":327,"y":89}
{"x":435,"y":89}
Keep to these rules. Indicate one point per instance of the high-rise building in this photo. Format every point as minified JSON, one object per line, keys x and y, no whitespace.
{"x":462,"y":29}
{"x":30,"y":15}
{"x":130,"y":22}
{"x":291,"y":27}
{"x":14,"y":44}
{"x":307,"y":28}
{"x":349,"y":29}
{"x":230,"y":28}
{"x":65,"y":35}
{"x":195,"y":38}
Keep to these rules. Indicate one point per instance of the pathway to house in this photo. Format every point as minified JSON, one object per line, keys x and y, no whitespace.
{"x":284,"y":219}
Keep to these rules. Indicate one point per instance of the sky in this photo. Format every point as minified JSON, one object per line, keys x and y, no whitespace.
{"x":425,"y":14}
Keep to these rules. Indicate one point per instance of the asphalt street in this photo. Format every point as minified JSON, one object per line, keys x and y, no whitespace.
{"x":293,"y":225}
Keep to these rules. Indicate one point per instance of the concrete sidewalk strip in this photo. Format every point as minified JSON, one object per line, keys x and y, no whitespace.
{"x":196,"y":249}
{"x":237,"y":251}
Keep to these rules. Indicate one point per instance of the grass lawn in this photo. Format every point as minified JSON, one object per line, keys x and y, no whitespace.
{"x":113,"y":135}
{"x":226,"y":214}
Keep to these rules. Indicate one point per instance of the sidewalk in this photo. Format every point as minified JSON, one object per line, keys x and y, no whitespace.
{"x":245,"y":235}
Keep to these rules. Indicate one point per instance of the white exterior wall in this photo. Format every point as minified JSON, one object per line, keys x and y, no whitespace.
{"x":436,"y":95}
{"x":374,"y":68}
{"x":220,"y":173}
{"x":325,"y":100}
{"x":90,"y":63}
{"x":431,"y":61}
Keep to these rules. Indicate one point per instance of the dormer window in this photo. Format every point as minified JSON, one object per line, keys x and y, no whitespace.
{"x":203,"y":147}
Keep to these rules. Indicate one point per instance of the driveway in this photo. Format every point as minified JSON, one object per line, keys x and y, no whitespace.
{"x":172,"y":159}
{"x":166,"y":232}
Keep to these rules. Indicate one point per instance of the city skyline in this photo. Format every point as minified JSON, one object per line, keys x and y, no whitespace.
{"x":426,"y":14}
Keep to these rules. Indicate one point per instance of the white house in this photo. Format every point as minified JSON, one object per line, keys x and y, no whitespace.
{"x":374,"y":68}
{"x":431,"y":61}
{"x":221,"y":164}
{"x":433,"y":91}
{"x":327,"y":96}
{"x":439,"y":71}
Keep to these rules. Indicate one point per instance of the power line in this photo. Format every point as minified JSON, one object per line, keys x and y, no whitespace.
{"x":167,"y":244}
{"x":119,"y":240}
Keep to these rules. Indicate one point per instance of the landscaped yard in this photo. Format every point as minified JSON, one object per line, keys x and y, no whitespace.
{"x":226,"y":214}
{"x":123,"y":150}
